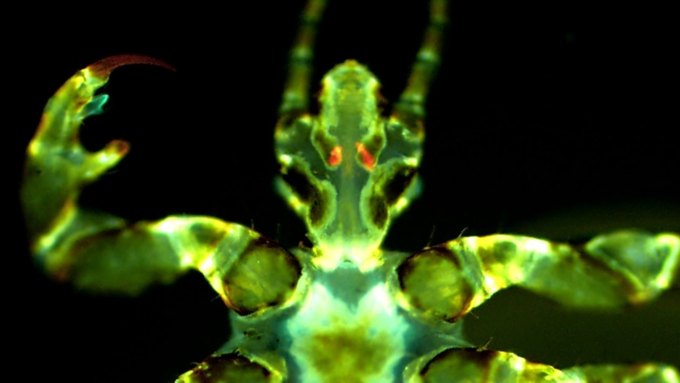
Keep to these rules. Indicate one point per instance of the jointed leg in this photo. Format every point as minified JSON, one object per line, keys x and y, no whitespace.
{"x":469,"y":365}
{"x":100,"y":252}
{"x":610,"y":271}
{"x":447,"y":281}
{"x":58,"y":167}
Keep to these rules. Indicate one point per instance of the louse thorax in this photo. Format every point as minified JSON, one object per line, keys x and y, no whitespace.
{"x":349,"y":170}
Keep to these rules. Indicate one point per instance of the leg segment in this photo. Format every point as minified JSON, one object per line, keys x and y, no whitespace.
{"x":100,"y":252}
{"x":229,"y":368}
{"x":470,"y":365}
{"x":57,"y":166}
{"x":610,"y":271}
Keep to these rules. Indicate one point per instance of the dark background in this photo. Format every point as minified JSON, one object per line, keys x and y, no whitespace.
{"x":547,"y":118}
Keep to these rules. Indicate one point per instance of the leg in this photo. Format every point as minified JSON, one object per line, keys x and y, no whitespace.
{"x":610,"y":271}
{"x":100,"y":252}
{"x":57,"y":167}
{"x":230,"y":368}
{"x":469,"y":365}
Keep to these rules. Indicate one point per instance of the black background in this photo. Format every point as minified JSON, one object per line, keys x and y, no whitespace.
{"x":547,"y":118}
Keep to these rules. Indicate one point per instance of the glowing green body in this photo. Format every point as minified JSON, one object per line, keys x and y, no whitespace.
{"x":345,"y":310}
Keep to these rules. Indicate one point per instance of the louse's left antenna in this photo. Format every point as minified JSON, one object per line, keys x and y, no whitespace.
{"x":296,"y":92}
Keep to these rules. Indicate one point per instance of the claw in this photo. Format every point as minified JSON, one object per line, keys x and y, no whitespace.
{"x":57,"y":164}
{"x":76,"y":100}
{"x":104,"y":67}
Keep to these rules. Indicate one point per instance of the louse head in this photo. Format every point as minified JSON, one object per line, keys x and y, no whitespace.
{"x":349,"y":170}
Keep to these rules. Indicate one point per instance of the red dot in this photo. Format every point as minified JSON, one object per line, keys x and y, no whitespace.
{"x":335,"y":158}
{"x":366,"y":157}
